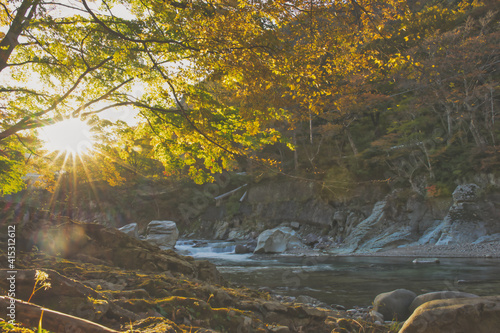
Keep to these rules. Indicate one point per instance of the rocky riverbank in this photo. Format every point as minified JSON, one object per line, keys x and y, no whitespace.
{"x":489,"y":250}
{"x":102,"y":276}
{"x":103,"y":280}
{"x":292,"y":218}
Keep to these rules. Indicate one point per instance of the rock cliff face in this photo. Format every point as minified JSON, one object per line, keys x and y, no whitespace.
{"x":399,"y":218}
{"x":468,"y":219}
{"x":471,"y":218}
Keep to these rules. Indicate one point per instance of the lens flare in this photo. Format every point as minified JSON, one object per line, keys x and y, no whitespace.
{"x":72,"y":135}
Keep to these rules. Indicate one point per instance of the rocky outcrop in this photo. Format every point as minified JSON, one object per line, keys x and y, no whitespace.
{"x":402,"y":218}
{"x":471,"y":219}
{"x":162,"y":233}
{"x":479,"y":315}
{"x":277,"y":240}
{"x":94,"y":243}
{"x":361,"y":233}
{"x":465,"y":193}
{"x":464,"y":223}
{"x":161,"y":300}
{"x":394,"y":305}
{"x":376,"y":232}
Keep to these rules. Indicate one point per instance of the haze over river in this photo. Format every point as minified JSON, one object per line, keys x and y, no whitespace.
{"x":347,"y":281}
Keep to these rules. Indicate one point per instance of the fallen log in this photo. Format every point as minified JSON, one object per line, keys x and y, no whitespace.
{"x":29,"y":315}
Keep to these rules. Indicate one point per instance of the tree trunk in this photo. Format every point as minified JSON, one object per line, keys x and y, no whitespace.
{"x":295,"y":153}
{"x":310,"y":128}
{"x":478,"y":138}
{"x":351,"y":141}
{"x":449,"y":126}
{"x":19,"y":23}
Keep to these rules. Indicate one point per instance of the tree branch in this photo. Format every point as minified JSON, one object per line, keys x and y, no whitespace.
{"x":32,"y":120}
{"x":24,"y":90}
{"x":19,"y":23}
{"x":141,"y":41}
{"x":106,"y":95}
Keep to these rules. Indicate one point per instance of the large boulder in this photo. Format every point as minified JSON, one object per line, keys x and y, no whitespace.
{"x":478,"y":315}
{"x":130,"y":229}
{"x":394,"y":305}
{"x":277,"y":240}
{"x":162,"y":233}
{"x":424,"y":298}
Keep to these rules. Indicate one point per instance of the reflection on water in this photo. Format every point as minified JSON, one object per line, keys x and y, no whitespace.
{"x":350,"y":280}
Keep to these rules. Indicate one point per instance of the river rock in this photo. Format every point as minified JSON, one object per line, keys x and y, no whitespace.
{"x":394,"y":304}
{"x":375,"y":316}
{"x":277,"y":240}
{"x":311,"y":239}
{"x":130,"y":229}
{"x":304,"y":299}
{"x":162,"y":233}
{"x":424,"y":298}
{"x":248,"y":247}
{"x":478,"y":315}
{"x":426,"y":261}
{"x":241,"y":249}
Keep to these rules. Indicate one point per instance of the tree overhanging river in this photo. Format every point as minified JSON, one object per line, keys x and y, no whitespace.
{"x":348,"y":281}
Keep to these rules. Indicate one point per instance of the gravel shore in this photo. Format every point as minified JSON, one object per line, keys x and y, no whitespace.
{"x":487,"y":250}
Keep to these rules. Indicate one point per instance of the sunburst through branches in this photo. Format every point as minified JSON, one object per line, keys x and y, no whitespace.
{"x":71,"y":135}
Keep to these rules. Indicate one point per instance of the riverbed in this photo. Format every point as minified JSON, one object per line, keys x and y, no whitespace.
{"x":347,"y":281}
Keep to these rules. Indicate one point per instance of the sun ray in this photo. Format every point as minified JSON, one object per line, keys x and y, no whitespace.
{"x":58,"y":184}
{"x":121,"y":163}
{"x":91,"y":184}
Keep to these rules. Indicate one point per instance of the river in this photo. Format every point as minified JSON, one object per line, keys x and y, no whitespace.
{"x":347,"y":281}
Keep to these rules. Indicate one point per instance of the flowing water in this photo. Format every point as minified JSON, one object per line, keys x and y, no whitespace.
{"x":347,"y":281}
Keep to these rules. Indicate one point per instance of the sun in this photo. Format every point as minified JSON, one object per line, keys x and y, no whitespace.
{"x":71,"y":135}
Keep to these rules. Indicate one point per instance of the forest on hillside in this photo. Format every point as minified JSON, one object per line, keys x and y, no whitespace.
{"x":339,"y":92}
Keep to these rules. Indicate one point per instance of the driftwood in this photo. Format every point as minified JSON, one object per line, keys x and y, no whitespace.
{"x":29,"y":314}
{"x":219,"y":198}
